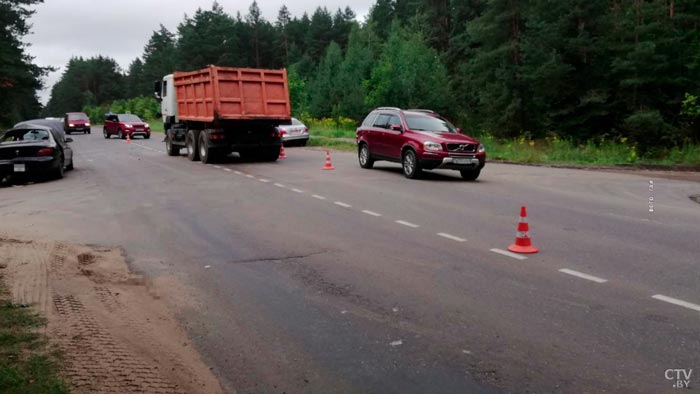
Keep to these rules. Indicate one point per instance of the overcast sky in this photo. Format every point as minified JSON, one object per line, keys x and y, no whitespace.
{"x":65,"y":28}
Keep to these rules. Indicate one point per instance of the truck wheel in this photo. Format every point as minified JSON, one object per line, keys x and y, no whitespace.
{"x":173,"y":150}
{"x":191,"y":145}
{"x":271,"y":155}
{"x":205,"y":154}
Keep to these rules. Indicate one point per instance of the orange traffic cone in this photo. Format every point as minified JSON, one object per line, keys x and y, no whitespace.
{"x":329,"y":165}
{"x":282,"y":154}
{"x":128,"y":138}
{"x":522,"y":240}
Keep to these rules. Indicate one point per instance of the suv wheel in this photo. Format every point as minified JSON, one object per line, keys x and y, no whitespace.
{"x":120,"y":134}
{"x":104,"y":133}
{"x":364,"y":157}
{"x":470,"y":175}
{"x":411,"y":166}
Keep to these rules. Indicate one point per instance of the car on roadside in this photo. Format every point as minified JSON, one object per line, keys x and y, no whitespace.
{"x":35,"y":147}
{"x":76,"y":122}
{"x":123,"y":125}
{"x":294,"y":134}
{"x":419,"y":140}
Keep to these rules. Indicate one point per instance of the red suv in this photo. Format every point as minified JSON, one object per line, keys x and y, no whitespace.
{"x":418,"y":139}
{"x":76,"y":121}
{"x":124,"y":125}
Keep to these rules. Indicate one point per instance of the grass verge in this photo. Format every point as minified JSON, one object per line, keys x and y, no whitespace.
{"x":26,"y":364}
{"x":332,"y":143}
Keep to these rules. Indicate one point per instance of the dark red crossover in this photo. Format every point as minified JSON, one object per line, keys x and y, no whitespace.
{"x":123,"y":125}
{"x":419,"y":140}
{"x":74,"y":122}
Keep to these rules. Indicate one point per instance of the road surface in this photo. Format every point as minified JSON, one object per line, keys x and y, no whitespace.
{"x":301,"y":280}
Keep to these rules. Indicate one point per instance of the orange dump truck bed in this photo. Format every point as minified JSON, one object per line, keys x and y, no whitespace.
{"x":225,"y":93}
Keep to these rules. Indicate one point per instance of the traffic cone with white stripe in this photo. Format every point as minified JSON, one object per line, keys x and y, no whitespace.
{"x":328,"y":165}
{"x":282,"y":154}
{"x":522,"y":239}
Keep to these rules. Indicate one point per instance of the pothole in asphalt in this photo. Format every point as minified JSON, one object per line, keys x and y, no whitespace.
{"x":696,"y":198}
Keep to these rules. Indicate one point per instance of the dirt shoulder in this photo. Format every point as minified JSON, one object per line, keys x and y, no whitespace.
{"x":681,"y":173}
{"x":114,"y":332}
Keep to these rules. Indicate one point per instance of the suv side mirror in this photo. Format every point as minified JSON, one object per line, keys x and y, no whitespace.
{"x":459,"y":130}
{"x":396,"y":127}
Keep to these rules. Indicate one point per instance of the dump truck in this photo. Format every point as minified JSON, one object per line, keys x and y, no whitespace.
{"x":218,"y":110}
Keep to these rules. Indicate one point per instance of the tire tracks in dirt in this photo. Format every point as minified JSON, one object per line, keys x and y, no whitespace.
{"x":116,"y":336}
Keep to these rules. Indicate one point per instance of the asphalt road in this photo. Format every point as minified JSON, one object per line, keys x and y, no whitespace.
{"x":299,"y":280}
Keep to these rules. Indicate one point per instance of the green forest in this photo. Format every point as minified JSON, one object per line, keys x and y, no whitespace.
{"x":578,"y":70}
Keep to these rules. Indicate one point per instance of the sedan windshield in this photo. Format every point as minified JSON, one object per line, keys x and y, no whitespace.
{"x":429,"y":123}
{"x":25,"y":135}
{"x":129,"y":118}
{"x":77,"y":117}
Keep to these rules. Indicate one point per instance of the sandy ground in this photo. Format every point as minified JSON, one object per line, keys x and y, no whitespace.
{"x":116,"y":334}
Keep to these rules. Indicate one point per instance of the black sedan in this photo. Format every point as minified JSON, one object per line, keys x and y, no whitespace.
{"x":35,"y":147}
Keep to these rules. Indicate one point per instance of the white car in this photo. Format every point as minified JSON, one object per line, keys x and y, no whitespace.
{"x":295,"y":133}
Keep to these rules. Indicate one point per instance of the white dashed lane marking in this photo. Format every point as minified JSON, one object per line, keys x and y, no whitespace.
{"x":219,"y":167}
{"x":227,"y":169}
{"x":342,"y":204}
{"x":249,"y":176}
{"x":582,"y":275}
{"x":509,"y":254}
{"x":452,"y":237}
{"x":316,"y":196}
{"x":238,"y":173}
{"x":407,"y":224}
{"x":676,"y":301}
{"x":372,"y":213}
{"x":297,"y":191}
{"x":279,"y":185}
{"x":264,"y":180}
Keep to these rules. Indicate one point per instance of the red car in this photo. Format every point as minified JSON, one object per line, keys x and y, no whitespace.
{"x":76,"y":121}
{"x":123,"y":125}
{"x":418,"y":139}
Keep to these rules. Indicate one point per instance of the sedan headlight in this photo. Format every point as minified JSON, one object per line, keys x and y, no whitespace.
{"x":430,"y":145}
{"x":481,"y":148}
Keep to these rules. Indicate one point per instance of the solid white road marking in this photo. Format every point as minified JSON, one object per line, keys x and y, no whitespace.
{"x":227,"y":169}
{"x":264,"y":180}
{"x":583,"y":276}
{"x":316,"y":196}
{"x":509,"y":254}
{"x":297,"y":191}
{"x":407,"y":224}
{"x":678,"y":302}
{"x":342,"y":204}
{"x":372,"y":213}
{"x":452,"y":237}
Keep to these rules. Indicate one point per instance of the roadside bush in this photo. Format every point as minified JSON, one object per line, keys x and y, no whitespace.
{"x":146,"y":108}
{"x":650,"y":133}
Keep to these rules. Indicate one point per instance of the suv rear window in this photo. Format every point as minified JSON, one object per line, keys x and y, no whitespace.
{"x":369,"y":120}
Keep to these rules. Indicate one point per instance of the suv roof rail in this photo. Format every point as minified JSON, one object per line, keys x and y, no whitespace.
{"x":389,"y":108}
{"x":430,"y":111}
